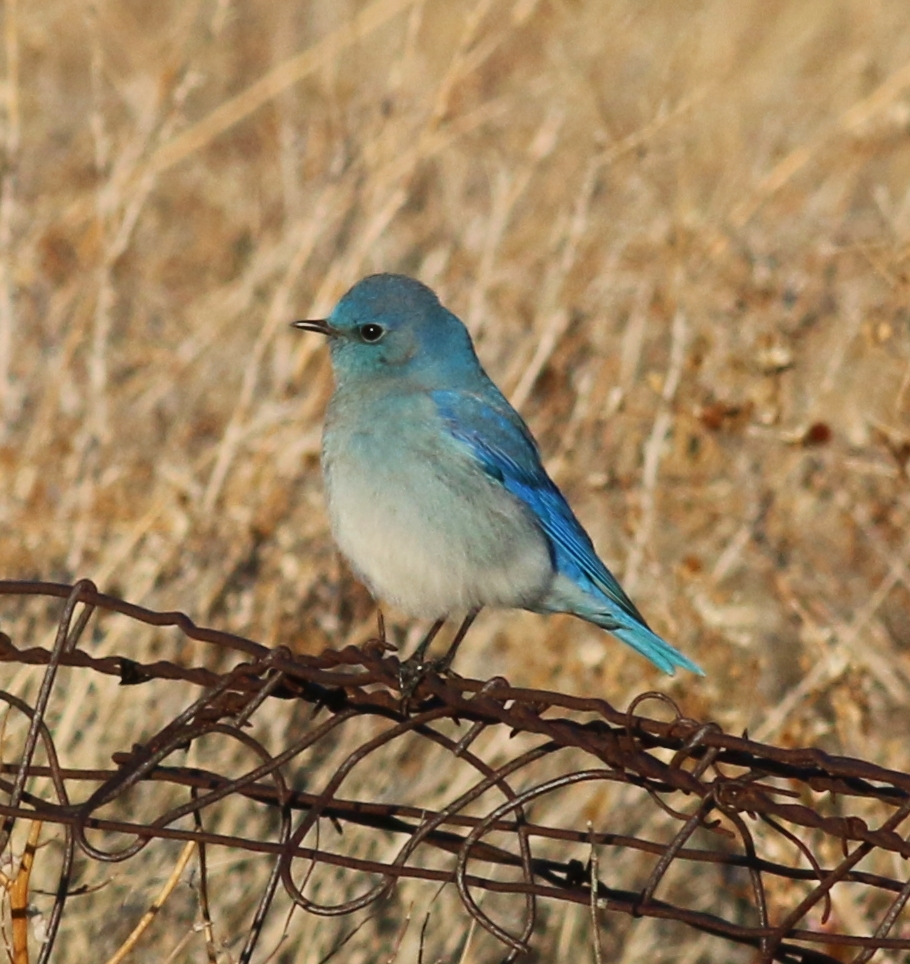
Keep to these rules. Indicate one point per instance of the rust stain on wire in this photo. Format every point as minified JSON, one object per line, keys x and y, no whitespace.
{"x":701,"y":778}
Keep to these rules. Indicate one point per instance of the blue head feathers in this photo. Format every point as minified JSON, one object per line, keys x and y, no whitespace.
{"x":393,"y":326}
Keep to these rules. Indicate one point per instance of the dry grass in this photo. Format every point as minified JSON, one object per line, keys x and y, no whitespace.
{"x":678,"y":232}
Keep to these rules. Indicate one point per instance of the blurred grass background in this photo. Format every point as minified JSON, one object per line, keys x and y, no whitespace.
{"x":678,"y":233}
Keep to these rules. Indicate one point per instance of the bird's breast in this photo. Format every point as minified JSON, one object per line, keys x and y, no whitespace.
{"x":419,"y":520}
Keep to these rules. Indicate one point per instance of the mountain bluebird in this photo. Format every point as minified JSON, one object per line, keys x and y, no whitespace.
{"x":435,"y":487}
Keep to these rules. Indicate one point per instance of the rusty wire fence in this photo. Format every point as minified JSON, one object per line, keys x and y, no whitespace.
{"x":539,"y":801}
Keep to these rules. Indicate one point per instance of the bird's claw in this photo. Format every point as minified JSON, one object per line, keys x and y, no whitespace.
{"x":413,"y":671}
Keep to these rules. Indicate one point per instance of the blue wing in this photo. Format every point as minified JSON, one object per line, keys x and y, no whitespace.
{"x":504,"y":446}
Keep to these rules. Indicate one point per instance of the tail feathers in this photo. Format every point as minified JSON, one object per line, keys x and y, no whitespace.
{"x":615,"y":614}
{"x":650,"y":645}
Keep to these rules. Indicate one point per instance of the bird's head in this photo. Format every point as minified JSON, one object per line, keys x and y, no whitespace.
{"x":391,"y":326}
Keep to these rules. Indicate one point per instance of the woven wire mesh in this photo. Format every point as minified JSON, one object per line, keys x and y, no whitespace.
{"x":753,"y":845}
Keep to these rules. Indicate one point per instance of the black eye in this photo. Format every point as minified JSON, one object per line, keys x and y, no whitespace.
{"x":371,"y":332}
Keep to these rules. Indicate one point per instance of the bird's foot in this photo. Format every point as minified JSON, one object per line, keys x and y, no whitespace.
{"x":413,"y":671}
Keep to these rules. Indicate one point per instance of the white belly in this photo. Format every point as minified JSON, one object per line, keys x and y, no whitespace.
{"x":427,"y":531}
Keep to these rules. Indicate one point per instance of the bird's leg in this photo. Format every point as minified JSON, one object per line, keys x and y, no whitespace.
{"x":414,"y":668}
{"x":420,"y":652}
{"x":445,"y":663}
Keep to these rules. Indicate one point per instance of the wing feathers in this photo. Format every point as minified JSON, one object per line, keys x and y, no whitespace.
{"x":504,"y":446}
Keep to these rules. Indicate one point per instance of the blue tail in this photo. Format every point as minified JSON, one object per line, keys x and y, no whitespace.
{"x":607,"y":606}
{"x":650,"y":645}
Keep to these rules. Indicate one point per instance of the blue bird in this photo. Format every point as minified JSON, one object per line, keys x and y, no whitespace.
{"x":436,"y":492}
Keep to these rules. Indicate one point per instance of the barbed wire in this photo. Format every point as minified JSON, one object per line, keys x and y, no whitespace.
{"x":723,"y":797}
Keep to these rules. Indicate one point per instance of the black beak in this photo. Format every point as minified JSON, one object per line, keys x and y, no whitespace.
{"x":320,"y":325}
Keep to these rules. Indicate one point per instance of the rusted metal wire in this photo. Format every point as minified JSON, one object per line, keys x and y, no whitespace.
{"x":723,"y":796}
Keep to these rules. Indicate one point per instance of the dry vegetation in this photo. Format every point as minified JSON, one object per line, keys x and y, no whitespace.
{"x":679,"y":234}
